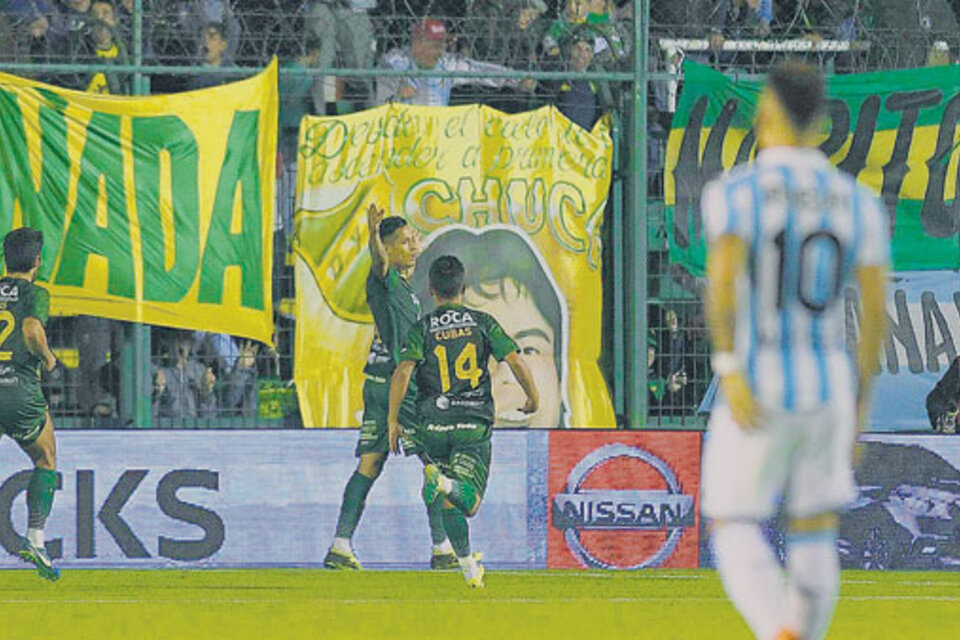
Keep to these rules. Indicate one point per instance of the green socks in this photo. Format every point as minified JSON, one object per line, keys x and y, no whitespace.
{"x":43,"y":484}
{"x":354,"y":499}
{"x":463,"y":496}
{"x":455,"y":524}
{"x":435,"y":516}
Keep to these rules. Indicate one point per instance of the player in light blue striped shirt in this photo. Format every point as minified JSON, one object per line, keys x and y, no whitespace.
{"x":788,"y":235}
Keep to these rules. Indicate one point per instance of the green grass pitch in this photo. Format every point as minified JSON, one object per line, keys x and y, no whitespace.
{"x":303,"y":604}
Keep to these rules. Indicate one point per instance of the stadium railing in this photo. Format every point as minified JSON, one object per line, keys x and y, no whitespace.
{"x":648,"y":301}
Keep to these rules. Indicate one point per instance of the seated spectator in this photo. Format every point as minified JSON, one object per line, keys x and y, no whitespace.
{"x":296,"y":97}
{"x":97,"y":341}
{"x":216,"y":350}
{"x":344,"y":32}
{"x":939,"y":55}
{"x":183,"y":387}
{"x":120,"y":17}
{"x":666,"y":390}
{"x":214,"y":55}
{"x":104,"y":408}
{"x":592,"y":20}
{"x":75,"y":26}
{"x":238,"y":394}
{"x":196,"y":16}
{"x":111,"y":51}
{"x":24,"y":25}
{"x":428,"y":50}
{"x":104,"y":11}
{"x":509,"y":32}
{"x":943,"y":401}
{"x":737,"y":19}
{"x":577,"y":99}
{"x":817,"y":20}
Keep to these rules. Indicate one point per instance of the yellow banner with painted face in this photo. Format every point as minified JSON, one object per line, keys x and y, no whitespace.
{"x":153,"y":209}
{"x":518,"y":198}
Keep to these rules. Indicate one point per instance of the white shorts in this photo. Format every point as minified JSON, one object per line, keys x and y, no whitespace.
{"x":802,"y":456}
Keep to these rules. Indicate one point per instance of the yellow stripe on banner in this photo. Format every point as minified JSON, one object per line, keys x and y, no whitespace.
{"x":914,"y":184}
{"x":196,"y":127}
{"x":69,"y":357}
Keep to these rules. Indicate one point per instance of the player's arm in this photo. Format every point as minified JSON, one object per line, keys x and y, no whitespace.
{"x":873,"y":331}
{"x":505,"y":349}
{"x":399,"y":384}
{"x":872,"y":262}
{"x":726,"y":261}
{"x":522,"y":373}
{"x":378,"y":253}
{"x":34,"y":335}
{"x":35,"y":338}
{"x":409,"y":357}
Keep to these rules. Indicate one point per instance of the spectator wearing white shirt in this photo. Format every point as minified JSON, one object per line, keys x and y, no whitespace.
{"x":428,"y":50}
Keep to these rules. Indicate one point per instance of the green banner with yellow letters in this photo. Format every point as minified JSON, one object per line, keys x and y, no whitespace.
{"x":896,"y":132}
{"x":153,"y":209}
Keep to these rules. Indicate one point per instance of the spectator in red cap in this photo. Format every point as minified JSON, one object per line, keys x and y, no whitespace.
{"x":428,"y":50}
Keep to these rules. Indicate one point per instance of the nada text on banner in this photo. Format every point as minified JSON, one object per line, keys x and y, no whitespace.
{"x":153,"y":209}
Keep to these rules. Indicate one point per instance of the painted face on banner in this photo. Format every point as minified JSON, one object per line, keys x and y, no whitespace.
{"x":515,"y":309}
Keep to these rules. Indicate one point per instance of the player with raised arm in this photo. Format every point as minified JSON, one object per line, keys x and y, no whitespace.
{"x":449,"y":350}
{"x":788,"y":234}
{"x":394,"y":248}
{"x":24,"y":309}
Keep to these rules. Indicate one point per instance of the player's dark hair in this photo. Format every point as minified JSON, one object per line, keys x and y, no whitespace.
{"x":494,"y":257}
{"x":446,"y":277}
{"x":389,"y":226}
{"x":21,"y":248}
{"x":800,"y":89}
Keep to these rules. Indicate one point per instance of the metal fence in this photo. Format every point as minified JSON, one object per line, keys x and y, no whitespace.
{"x":654,"y":340}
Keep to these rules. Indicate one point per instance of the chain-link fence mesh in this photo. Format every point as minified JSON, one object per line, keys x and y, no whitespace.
{"x":232,"y":383}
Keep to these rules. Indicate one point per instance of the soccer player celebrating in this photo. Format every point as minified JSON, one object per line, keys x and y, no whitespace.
{"x":450,"y":350}
{"x":394,"y":248}
{"x":24,"y":308}
{"x":788,"y":235}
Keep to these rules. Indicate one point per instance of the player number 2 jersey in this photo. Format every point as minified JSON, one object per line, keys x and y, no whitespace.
{"x":452,"y":347}
{"x":808,"y":228}
{"x":20,"y":369}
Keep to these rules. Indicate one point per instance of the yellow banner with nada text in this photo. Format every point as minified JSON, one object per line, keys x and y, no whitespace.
{"x":518,"y":198}
{"x":153,"y":209}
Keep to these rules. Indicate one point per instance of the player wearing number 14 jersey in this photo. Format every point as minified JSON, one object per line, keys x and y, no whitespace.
{"x":788,"y":235}
{"x":449,"y":350}
{"x":24,"y":308}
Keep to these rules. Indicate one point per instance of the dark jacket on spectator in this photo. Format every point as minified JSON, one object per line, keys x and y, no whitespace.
{"x":185,"y":394}
{"x":944,"y":400}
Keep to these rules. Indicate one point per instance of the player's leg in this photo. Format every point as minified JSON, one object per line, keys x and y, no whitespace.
{"x":372,"y":449}
{"x":813,"y":570}
{"x":42,"y":450}
{"x":741,"y":479}
{"x":465,"y":481}
{"x":462,"y":482}
{"x":414,"y":443}
{"x":443,"y":556}
{"x":341,"y":555}
{"x":821,"y":484}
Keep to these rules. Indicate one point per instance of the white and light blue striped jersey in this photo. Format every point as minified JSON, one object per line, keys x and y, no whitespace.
{"x":808,"y":227}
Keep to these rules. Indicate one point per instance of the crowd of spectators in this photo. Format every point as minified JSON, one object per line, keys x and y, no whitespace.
{"x":198,"y":376}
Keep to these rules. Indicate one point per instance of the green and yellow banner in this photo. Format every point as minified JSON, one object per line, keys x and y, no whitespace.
{"x":518,"y":198}
{"x":153,"y":209}
{"x":895,"y":131}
